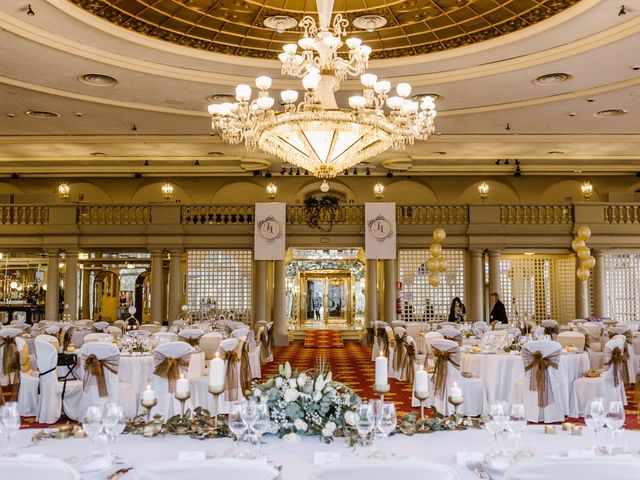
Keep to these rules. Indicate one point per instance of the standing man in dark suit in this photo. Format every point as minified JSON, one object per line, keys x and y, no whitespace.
{"x":498,"y":312}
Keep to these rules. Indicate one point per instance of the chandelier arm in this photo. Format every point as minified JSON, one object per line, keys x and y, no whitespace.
{"x":308,"y":24}
{"x":340,"y":25}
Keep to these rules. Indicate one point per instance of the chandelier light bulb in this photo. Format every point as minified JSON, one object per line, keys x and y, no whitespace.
{"x":311,"y":81}
{"x":306,"y":43}
{"x":353,"y":43}
{"x":243,"y":92}
{"x":214,"y":109}
{"x":403,"y":90}
{"x":290,"y":48}
{"x":324,"y":186}
{"x":289,"y":96}
{"x":357,"y":102}
{"x":365,"y":50}
{"x":395,"y":103}
{"x":331,"y":42}
{"x":382,"y":86}
{"x":264,"y":103}
{"x":368,"y":79}
{"x":283,"y":57}
{"x":13,"y":285}
{"x":263,"y":82}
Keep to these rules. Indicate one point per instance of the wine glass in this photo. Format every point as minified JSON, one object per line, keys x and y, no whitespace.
{"x":595,"y":419}
{"x":517,"y":422}
{"x":614,"y":420}
{"x":261,"y":424}
{"x":365,"y":421}
{"x":389,"y":419}
{"x":496,"y":422}
{"x":376,"y":410}
{"x":113,"y":421}
{"x":10,"y":420}
{"x":237,"y":424}
{"x":92,"y":423}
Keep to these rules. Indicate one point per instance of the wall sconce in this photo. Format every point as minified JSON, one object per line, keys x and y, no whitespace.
{"x":63,"y":191}
{"x":272,"y":190}
{"x":483,"y":190}
{"x":378,"y":190}
{"x":167,"y":191}
{"x":587,"y":189}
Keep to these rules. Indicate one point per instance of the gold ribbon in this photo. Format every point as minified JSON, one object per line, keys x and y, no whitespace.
{"x":94,"y":368}
{"x":238,"y":354}
{"x":617,"y":359}
{"x":193,"y":341}
{"x":169,"y":367}
{"x":455,"y":337}
{"x":66,"y":339}
{"x":539,"y":379}
{"x":398,"y":352}
{"x":265,"y":351}
{"x":551,"y":330}
{"x":409,"y":362}
{"x":384,"y":340}
{"x":442,"y":360}
{"x":371,"y":333}
{"x":10,"y":366}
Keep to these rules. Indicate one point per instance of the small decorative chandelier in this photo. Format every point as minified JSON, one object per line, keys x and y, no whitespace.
{"x":315,"y":134}
{"x":378,"y":191}
{"x":167,"y":191}
{"x":483,"y":190}
{"x":587,"y":190}
{"x":272,"y":190}
{"x":64,"y":191}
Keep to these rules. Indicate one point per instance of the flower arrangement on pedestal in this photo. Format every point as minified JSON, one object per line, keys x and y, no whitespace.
{"x":308,"y":403}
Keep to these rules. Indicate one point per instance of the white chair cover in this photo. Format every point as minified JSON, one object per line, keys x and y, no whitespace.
{"x":98,"y":337}
{"x":478,"y":328}
{"x":50,"y":339}
{"x":36,"y":468}
{"x":209,"y":344}
{"x":168,"y":406}
{"x":396,"y":349}
{"x":354,"y":469}
{"x":100,"y":326}
{"x":114,"y":331}
{"x":222,"y":468}
{"x":377,"y":343}
{"x":28,"y":387}
{"x":165,"y":337}
{"x":191,"y":336}
{"x":594,"y":468}
{"x":150,"y":327}
{"x":575,"y":339}
{"x":52,"y":330}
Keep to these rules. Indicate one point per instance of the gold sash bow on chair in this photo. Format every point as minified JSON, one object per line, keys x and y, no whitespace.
{"x":398,"y":352}
{"x":169,"y":367}
{"x":238,"y":354}
{"x":617,"y":359}
{"x":94,"y":372}
{"x":193,"y":341}
{"x":551,"y":330}
{"x":265,"y":342}
{"x":456,"y":338}
{"x":539,"y":379}
{"x":442,"y":360}
{"x":371,"y":334}
{"x":10,"y":366}
{"x":409,"y":362}
{"x":383,"y":340}
{"x":66,"y":339}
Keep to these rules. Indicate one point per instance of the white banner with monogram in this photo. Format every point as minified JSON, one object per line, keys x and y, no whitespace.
{"x":380,"y":230}
{"x":269,"y":236}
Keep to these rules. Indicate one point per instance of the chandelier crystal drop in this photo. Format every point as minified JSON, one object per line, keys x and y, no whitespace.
{"x":313,"y":133}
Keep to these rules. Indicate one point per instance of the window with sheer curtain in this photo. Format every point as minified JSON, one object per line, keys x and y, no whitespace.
{"x":622,"y":274}
{"x":223,"y":277}
{"x":538,"y":286}
{"x":421,"y":301}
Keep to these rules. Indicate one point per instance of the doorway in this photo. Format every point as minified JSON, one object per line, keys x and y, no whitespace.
{"x":326,"y":299}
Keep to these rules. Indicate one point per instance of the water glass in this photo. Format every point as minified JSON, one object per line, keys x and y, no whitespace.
{"x":595,"y":420}
{"x":496,"y":423}
{"x":261,"y":424}
{"x":113,"y":421}
{"x":236,"y":423}
{"x":10,"y":420}
{"x":92,"y":424}
{"x":516,"y":423}
{"x":389,"y":419}
{"x":614,"y":420}
{"x":364,"y":421}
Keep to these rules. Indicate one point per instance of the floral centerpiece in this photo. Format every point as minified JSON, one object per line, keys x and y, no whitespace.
{"x":308,"y":403}
{"x":133,"y":345}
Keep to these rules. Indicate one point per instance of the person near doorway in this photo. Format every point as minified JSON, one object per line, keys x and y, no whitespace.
{"x":457,"y":310}
{"x":498,"y":312}
{"x":316,"y":303}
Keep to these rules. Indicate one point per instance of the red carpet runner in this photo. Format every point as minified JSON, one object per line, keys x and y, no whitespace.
{"x":323,"y":339}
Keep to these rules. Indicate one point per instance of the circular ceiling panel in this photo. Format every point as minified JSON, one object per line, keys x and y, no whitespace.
{"x":237,"y":27}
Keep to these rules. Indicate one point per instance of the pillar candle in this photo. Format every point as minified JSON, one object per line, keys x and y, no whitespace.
{"x":148,"y":396}
{"x":382,"y":366}
{"x":455,"y":392}
{"x":421,"y":381}
{"x":182,"y":385}
{"x":216,"y":372}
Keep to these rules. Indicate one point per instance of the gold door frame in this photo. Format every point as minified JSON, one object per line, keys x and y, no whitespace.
{"x":326,"y":275}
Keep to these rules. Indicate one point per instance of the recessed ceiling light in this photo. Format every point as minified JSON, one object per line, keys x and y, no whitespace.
{"x":438,"y":153}
{"x":635,"y":67}
{"x":577,"y":171}
{"x":98,"y":80}
{"x":552,"y":79}
{"x":369,"y":22}
{"x":98,"y":154}
{"x":529,"y":253}
{"x":11,"y":115}
{"x":280,"y":23}
{"x":221,"y":98}
{"x":612,"y":112}
{"x":555,"y":152}
{"x":436,"y":96}
{"x":42,"y":114}
{"x":215,"y":154}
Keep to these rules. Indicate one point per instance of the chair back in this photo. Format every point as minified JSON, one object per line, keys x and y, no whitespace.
{"x":223,"y":468}
{"x":478,"y":328}
{"x":50,"y":339}
{"x":97,"y":391}
{"x":541,"y":361}
{"x":576,"y":339}
{"x":209,"y":344}
{"x":191,"y":336}
{"x":615,"y":364}
{"x":100,"y":326}
{"x":165,"y":337}
{"x":114,"y":331}
{"x":429,"y":337}
{"x":98,"y":337}
{"x":50,"y":402}
{"x":150,"y":327}
{"x":357,"y":469}
{"x":7,"y":337}
{"x":36,"y":468}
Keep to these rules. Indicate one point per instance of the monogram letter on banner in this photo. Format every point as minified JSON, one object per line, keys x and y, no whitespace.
{"x":380,"y":230}
{"x":269,"y":235}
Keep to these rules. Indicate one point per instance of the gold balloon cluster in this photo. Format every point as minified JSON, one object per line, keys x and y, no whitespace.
{"x":579,"y":245}
{"x":436,"y":264}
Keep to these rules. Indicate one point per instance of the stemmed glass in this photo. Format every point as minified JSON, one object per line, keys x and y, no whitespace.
{"x":614,"y":419}
{"x":496,"y":422}
{"x":516,"y":423}
{"x":113,"y":421}
{"x":389,"y":420}
{"x":10,"y":419}
{"x":595,"y":419}
{"x":260,"y":425}
{"x":237,"y":423}
{"x":92,"y":424}
{"x":365,"y":421}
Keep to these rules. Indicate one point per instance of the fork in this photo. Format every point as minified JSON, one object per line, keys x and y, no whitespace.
{"x":118,"y":473}
{"x":476,"y":467}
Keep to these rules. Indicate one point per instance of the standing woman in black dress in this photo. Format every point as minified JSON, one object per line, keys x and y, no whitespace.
{"x":457,"y":310}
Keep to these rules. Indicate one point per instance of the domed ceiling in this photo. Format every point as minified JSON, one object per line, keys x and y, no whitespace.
{"x":237,"y":27}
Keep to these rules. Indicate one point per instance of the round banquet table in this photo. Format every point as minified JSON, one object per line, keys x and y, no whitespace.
{"x":297,"y":459}
{"x":500,"y":371}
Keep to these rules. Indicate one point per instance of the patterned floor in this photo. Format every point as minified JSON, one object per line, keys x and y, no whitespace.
{"x":352,"y":365}
{"x":323,"y":339}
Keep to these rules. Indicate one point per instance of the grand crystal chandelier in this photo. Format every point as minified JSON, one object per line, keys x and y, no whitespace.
{"x":314,"y":134}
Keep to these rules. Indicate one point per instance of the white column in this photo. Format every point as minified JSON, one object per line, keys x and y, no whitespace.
{"x":390,"y":293}
{"x":71,"y":283}
{"x":156,"y":286}
{"x":371,"y":293}
{"x":494,"y":271}
{"x":53,"y":285}
{"x":175,"y":285}
{"x":582,"y":298}
{"x":475,"y":298}
{"x":600,"y":307}
{"x":260,"y":308}
{"x":281,"y":335}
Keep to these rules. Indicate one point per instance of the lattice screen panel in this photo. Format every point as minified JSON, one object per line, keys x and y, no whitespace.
{"x":420,"y":300}
{"x":538,"y":286}
{"x":223,"y":277}
{"x":623,"y":286}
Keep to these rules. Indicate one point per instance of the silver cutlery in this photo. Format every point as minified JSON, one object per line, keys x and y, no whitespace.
{"x":118,"y":473}
{"x":476,"y":467}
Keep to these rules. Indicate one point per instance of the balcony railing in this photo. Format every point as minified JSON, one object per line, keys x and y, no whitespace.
{"x":24,"y":215}
{"x":622,"y":214}
{"x":432,"y":215}
{"x":114,"y":215}
{"x":536,"y":214}
{"x":217,"y":215}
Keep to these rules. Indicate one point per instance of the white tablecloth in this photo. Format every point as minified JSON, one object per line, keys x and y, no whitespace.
{"x":297,"y":458}
{"x":500,"y":371}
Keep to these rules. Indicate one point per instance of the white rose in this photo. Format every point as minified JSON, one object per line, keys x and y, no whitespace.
{"x":330,"y":426}
{"x":291,"y":395}
{"x":291,"y":438}
{"x":293,"y":383}
{"x":302,"y":379}
{"x":300,"y":425}
{"x":317,"y":396}
{"x":279,"y":382}
{"x":326,"y":433}
{"x":350,"y":417}
{"x":257,"y":393}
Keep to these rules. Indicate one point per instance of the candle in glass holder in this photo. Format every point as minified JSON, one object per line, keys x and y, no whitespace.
{"x":455,"y":392}
{"x":576,"y":430}
{"x":148,"y":396}
{"x":382,"y":366}
{"x":421,"y":381}
{"x":567,"y":426}
{"x":182,"y":385}
{"x":216,"y":372}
